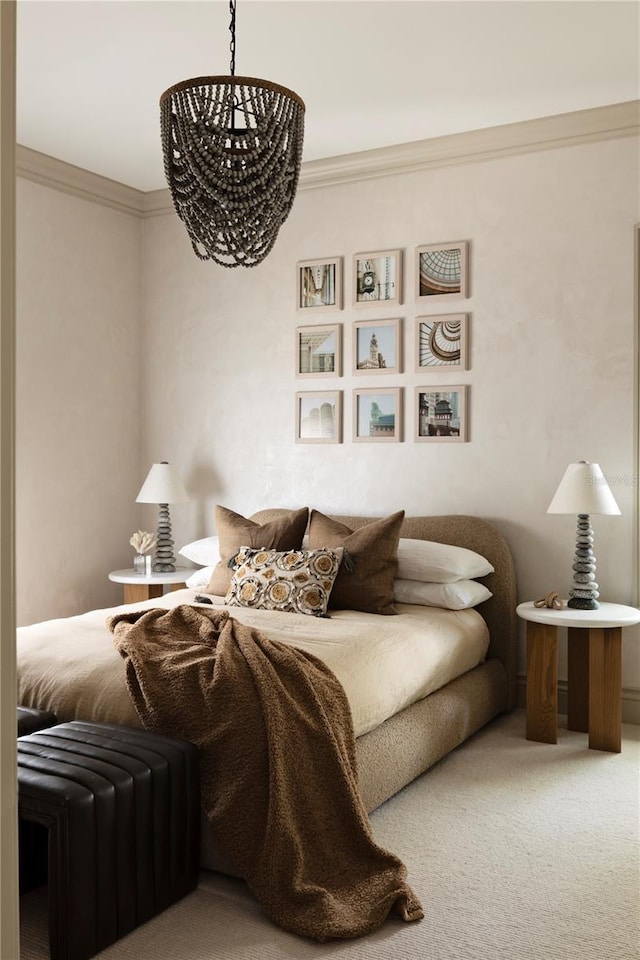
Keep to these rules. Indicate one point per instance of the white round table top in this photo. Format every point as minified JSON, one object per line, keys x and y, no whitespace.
{"x":130,"y":576}
{"x":607,"y":615}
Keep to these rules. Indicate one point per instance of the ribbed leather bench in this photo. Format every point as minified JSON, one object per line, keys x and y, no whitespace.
{"x":30,"y":720}
{"x":110,"y":814}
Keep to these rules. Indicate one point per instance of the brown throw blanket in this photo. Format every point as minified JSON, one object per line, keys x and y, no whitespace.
{"x":278,"y":768}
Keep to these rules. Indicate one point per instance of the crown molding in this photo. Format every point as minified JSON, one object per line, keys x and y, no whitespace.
{"x":50,"y":172}
{"x":157,"y":202}
{"x":545,"y":133}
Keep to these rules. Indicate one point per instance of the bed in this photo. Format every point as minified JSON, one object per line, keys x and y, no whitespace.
{"x":70,"y":666}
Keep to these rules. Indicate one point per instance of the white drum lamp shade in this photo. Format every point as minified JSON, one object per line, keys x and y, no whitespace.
{"x":584,"y":490}
{"x":163,"y":486}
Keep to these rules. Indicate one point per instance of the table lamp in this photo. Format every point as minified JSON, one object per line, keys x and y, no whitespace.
{"x":163,"y":486}
{"x":584,"y":490}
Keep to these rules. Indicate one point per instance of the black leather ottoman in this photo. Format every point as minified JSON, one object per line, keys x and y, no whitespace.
{"x":30,"y":720}
{"x":115,"y":812}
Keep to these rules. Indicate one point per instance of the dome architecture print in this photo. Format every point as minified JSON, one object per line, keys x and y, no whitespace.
{"x":441,"y":341}
{"x":441,"y":270}
{"x":444,"y":341}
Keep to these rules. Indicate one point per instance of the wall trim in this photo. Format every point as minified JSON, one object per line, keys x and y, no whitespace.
{"x":50,"y":172}
{"x":566,"y":129}
{"x":630,"y":700}
{"x":545,"y":133}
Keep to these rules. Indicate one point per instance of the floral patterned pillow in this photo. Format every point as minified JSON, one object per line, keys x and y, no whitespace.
{"x":294,"y":581}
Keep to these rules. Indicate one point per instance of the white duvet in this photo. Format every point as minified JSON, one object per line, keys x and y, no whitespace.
{"x":385,"y":664}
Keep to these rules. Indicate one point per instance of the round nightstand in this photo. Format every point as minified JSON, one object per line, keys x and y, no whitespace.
{"x":148,"y":586}
{"x":594,"y":671}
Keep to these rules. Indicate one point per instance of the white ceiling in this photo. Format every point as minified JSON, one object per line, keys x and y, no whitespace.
{"x":372,"y":72}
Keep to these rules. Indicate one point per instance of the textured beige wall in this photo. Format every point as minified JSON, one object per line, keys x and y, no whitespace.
{"x":552,"y":360}
{"x":77,"y":385}
{"x":551,"y":376}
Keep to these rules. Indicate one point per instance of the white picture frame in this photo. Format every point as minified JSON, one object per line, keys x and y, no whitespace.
{"x":442,"y":271}
{"x":377,"y":415}
{"x":319,"y":416}
{"x":319,"y":284}
{"x":318,"y":350}
{"x":377,"y":346}
{"x":377,"y":279}
{"x":440,"y":414}
{"x":442,"y":342}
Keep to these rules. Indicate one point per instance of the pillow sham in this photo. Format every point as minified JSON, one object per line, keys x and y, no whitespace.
{"x":433,"y":562}
{"x":206,"y":552}
{"x":199,"y":578}
{"x":457,"y":595}
{"x":365,"y":580}
{"x":293,"y":581}
{"x":235,"y":531}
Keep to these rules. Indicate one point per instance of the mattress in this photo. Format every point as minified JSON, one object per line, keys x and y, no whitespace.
{"x":385,"y":664}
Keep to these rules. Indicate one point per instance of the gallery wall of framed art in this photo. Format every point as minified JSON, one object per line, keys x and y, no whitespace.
{"x":419,"y":357}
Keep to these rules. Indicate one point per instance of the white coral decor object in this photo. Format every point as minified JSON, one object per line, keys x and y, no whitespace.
{"x":142,"y":542}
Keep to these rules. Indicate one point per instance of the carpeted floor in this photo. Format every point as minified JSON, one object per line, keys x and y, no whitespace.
{"x":517,"y":850}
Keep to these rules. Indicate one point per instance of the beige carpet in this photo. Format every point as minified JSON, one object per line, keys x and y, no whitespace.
{"x":517,"y":850}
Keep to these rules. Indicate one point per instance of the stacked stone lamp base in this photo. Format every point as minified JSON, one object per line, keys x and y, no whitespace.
{"x":165,"y":562}
{"x":584,"y":594}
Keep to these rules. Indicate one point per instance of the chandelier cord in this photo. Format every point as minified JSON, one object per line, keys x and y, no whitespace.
{"x":232,"y":29}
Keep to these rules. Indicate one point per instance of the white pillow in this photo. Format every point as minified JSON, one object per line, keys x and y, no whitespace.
{"x":432,"y":562}
{"x":457,"y":595}
{"x":200,"y":578}
{"x":206,"y":552}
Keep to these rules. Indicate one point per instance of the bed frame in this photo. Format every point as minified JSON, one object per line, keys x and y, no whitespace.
{"x":406,"y":745}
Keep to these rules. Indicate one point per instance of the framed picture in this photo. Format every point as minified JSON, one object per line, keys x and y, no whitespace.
{"x":319,"y":351}
{"x":377,"y":346}
{"x":377,"y":415}
{"x":319,"y":416}
{"x":319,"y":284}
{"x":441,"y":271}
{"x":377,"y":278}
{"x":441,"y":414}
{"x":441,"y":342}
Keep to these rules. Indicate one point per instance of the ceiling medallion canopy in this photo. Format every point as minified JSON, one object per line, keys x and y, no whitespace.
{"x":232,"y":150}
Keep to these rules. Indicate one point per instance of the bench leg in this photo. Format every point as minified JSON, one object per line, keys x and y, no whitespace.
{"x":72,"y":888}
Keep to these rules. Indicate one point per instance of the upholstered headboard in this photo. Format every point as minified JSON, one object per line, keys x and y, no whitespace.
{"x":475,"y":534}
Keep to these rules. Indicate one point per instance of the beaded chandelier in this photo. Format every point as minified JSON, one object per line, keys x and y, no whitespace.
{"x":232,"y":149}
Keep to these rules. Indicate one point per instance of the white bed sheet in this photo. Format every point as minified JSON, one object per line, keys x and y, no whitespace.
{"x":385,"y":664}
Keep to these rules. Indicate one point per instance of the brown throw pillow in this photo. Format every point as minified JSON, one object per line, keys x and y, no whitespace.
{"x":235,"y":531}
{"x":371,"y":553}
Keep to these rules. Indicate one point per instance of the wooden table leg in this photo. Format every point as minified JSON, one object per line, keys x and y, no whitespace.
{"x":578,"y":679}
{"x":134,"y":592}
{"x":605,"y":689}
{"x":542,"y":682}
